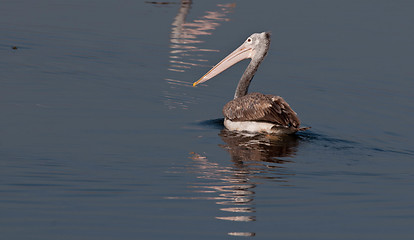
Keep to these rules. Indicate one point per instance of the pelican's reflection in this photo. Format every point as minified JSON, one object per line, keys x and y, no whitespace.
{"x":264,"y":150}
{"x":184,"y":50}
{"x":255,"y":159}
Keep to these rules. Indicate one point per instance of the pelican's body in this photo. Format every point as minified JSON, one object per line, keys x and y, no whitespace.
{"x":254,"y":112}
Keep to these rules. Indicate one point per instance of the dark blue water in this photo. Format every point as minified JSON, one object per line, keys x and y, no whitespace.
{"x":102,"y":135}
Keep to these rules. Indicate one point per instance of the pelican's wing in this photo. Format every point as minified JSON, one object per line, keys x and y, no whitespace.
{"x":260,"y":107}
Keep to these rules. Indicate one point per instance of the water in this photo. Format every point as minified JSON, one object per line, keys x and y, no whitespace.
{"x":103,"y":137}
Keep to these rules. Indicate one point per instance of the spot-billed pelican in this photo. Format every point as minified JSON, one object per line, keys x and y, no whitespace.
{"x":254,"y":112}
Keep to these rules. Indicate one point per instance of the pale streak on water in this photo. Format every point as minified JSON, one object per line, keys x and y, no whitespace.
{"x":185,"y":52}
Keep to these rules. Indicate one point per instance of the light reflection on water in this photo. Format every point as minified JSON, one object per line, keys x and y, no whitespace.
{"x":255,"y":158}
{"x":185,"y":53}
{"x":184,"y":36}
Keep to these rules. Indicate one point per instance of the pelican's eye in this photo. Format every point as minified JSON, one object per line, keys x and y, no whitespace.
{"x":249,"y":40}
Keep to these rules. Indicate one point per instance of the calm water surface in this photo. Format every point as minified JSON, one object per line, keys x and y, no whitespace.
{"x":102,"y":135}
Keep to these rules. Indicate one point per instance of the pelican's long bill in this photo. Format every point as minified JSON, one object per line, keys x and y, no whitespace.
{"x":241,"y":53}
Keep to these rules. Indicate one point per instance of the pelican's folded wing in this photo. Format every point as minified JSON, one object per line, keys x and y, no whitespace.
{"x":260,"y":107}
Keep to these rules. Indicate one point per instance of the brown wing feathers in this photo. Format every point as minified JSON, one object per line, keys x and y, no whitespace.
{"x":260,"y":107}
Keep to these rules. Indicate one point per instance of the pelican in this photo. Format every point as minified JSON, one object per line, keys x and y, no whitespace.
{"x":254,"y":112}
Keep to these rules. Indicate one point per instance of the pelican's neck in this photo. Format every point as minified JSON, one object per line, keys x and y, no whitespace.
{"x":244,"y":82}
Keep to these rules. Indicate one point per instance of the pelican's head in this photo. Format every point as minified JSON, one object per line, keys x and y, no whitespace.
{"x":255,"y":47}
